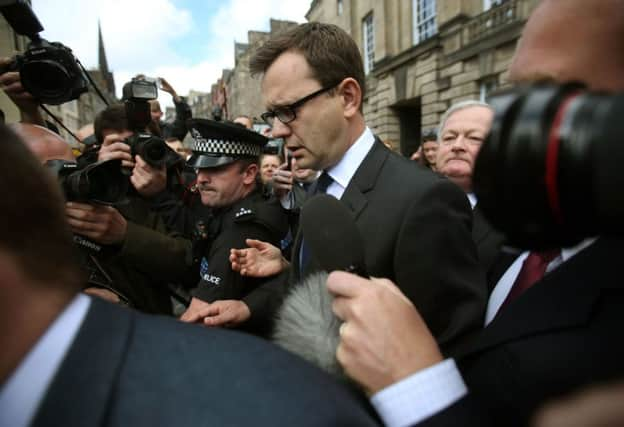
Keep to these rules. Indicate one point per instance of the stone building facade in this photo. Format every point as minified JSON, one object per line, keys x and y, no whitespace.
{"x":10,"y":44}
{"x":421,"y":56}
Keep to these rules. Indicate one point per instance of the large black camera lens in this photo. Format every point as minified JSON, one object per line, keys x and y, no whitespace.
{"x":48,"y":80}
{"x":548,"y":173}
{"x":101,"y":182}
{"x":151,"y":149}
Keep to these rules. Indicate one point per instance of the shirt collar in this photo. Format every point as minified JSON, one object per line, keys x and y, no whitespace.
{"x":472,"y":198}
{"x":343,"y":171}
{"x":21,"y":394}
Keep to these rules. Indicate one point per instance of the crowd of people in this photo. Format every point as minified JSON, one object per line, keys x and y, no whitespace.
{"x":445,"y":325}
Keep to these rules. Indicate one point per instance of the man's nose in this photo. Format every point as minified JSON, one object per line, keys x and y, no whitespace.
{"x":459,"y":143}
{"x":203,"y":175}
{"x":279,"y":129}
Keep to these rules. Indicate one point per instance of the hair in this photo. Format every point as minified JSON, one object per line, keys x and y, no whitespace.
{"x":330,"y":52}
{"x":34,"y":229}
{"x":462,"y":105}
{"x":245,"y":162}
{"x":113,"y":117}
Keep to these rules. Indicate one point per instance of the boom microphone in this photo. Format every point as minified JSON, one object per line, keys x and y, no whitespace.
{"x":331,"y":236}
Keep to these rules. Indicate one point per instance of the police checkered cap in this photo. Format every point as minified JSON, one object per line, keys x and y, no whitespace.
{"x":224,"y":139}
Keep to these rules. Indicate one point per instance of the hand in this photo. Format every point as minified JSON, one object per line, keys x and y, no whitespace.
{"x":260,"y":259}
{"x":228,"y":313}
{"x":164,"y":85}
{"x":282,"y":180}
{"x":114,"y":147}
{"x":102,"y":224}
{"x":11,"y":83}
{"x":105,"y":294}
{"x":383,"y":338}
{"x":594,"y":407}
{"x":147,"y":179}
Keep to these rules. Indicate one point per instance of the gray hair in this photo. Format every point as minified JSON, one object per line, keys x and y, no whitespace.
{"x":462,"y":105}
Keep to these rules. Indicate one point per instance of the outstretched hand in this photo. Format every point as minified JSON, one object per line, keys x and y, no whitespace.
{"x":226,"y":313}
{"x":260,"y":259}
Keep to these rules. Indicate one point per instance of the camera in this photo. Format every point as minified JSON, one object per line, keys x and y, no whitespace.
{"x":48,"y":70}
{"x":136,"y":94}
{"x":548,"y":174}
{"x":101,"y":182}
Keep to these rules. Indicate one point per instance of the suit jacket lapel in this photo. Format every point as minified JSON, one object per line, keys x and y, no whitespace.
{"x":365,"y":178}
{"x":81,"y":390}
{"x":480,"y":227}
{"x":562,"y":299}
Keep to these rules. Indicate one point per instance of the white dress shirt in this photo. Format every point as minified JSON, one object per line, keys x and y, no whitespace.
{"x":24,"y":390}
{"x":343,"y":171}
{"x":427,"y":392}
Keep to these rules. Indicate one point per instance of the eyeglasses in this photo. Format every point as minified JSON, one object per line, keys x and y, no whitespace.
{"x":287,"y":113}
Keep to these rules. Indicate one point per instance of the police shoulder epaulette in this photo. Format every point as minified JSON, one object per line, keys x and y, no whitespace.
{"x":244,"y":213}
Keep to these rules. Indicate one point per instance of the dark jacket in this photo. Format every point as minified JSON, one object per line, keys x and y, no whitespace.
{"x":128,"y":369}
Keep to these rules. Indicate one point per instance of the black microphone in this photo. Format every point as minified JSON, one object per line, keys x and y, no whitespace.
{"x":331,"y":236}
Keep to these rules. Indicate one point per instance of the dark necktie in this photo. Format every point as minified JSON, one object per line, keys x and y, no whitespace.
{"x":319,"y":187}
{"x":321,"y":184}
{"x":533,"y":269}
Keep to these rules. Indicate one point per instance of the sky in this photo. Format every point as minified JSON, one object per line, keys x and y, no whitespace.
{"x":188,"y":42}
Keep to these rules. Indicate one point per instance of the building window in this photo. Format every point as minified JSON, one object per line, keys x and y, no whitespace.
{"x":486,"y":87}
{"x":424,"y":19}
{"x":368,"y":33}
{"x":487,"y":4}
{"x":339,"y":6}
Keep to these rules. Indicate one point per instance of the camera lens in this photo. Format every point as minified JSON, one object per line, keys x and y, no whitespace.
{"x":48,"y":81}
{"x":548,"y":174}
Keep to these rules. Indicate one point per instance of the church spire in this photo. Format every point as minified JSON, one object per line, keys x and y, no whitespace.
{"x":107,"y":76}
{"x":102,"y":63}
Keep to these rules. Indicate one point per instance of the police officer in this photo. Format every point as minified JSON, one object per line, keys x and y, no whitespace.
{"x":226,"y":158}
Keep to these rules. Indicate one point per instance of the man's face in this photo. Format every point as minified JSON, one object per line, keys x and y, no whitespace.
{"x":318,"y":136}
{"x":562,"y":42}
{"x":268,"y":165}
{"x":430,"y":150}
{"x":460,"y":141}
{"x":155,"y":111}
{"x":223,"y":186}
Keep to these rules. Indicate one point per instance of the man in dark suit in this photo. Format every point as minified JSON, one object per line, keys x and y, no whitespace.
{"x":462,"y":130}
{"x":68,"y":360}
{"x":555,"y":337}
{"x":415,"y":225}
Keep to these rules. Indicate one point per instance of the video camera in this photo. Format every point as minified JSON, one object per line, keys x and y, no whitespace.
{"x":548,"y":175}
{"x":136,"y":94}
{"x":48,"y":70}
{"x":101,"y":182}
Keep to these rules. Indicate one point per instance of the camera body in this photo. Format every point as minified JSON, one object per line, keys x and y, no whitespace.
{"x":101,"y":182}
{"x":136,"y":94}
{"x":50,"y":72}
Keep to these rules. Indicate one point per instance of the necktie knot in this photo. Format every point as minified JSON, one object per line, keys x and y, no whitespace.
{"x":322,"y":183}
{"x":533,"y":269}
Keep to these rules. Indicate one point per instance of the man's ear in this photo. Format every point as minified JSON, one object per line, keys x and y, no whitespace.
{"x":351,"y":95}
{"x":249,"y":175}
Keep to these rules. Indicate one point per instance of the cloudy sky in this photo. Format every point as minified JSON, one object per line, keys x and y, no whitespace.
{"x":188,"y":42}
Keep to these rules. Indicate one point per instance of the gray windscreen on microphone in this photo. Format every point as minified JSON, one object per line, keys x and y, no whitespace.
{"x":330,"y":233}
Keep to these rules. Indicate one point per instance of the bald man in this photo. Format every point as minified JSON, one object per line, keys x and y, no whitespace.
{"x":45,"y":144}
{"x":559,"y":335}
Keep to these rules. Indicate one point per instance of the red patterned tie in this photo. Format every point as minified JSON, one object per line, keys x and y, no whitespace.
{"x":533,"y":269}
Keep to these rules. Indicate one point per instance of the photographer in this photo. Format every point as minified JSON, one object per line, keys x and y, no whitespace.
{"x":176,"y":129}
{"x":551,"y":339}
{"x":121,"y":226}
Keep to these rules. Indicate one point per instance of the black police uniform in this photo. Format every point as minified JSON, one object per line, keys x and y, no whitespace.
{"x":253,"y":217}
